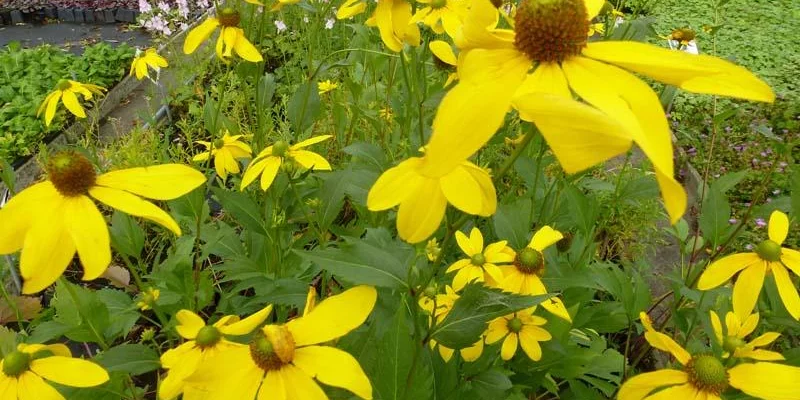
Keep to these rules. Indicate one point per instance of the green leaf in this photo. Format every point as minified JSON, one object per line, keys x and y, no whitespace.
{"x":365,"y":261}
{"x":131,"y":358}
{"x":120,"y":305}
{"x":266,"y":89}
{"x":332,"y":196}
{"x":396,"y":351}
{"x":714,"y":216}
{"x":584,"y":210}
{"x":304,"y":107}
{"x":243,"y":208}
{"x":512,"y":222}
{"x":127,"y":236}
{"x":367,"y":153}
{"x":72,"y":315}
{"x":796,"y":193}
{"x":728,"y":181}
{"x":472,"y":312}
{"x":489,"y":384}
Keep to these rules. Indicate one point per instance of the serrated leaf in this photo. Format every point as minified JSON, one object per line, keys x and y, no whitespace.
{"x":471,"y":314}
{"x":127,"y":236}
{"x":131,"y":358}
{"x":489,"y":384}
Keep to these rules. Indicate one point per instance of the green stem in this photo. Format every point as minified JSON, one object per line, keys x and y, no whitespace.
{"x":516,"y":153}
{"x":314,"y":227}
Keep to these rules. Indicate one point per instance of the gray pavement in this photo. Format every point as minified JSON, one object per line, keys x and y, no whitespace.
{"x":72,"y":37}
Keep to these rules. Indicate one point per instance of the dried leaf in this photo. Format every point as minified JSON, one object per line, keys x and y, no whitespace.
{"x":119,"y":276}
{"x":28,"y":307}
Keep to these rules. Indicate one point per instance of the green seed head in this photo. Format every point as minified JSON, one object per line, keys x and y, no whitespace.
{"x":280,"y":148}
{"x":208,"y":336}
{"x":731,"y":343}
{"x":63,"y":84}
{"x":436,"y":4}
{"x":769,"y":250}
{"x":219,"y":143}
{"x":551,"y":30}
{"x":707,"y":374}
{"x":478,"y":260}
{"x":71,"y":173}
{"x":515,"y":325}
{"x":530,"y":261}
{"x":272,"y":347}
{"x":15,"y":363}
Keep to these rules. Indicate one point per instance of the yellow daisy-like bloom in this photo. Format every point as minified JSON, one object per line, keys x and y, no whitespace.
{"x":149,"y":298}
{"x":597,"y":28}
{"x":393,"y":19}
{"x":351,"y":8}
{"x":423,"y":196}
{"x":432,"y":250}
{"x":23,"y":372}
{"x":441,"y":15}
{"x":326,"y":86}
{"x":203,"y":342}
{"x":144,"y":60}
{"x":51,"y":220}
{"x":225,"y":152}
{"x":683,"y":36}
{"x":525,"y":275}
{"x":438,"y":305}
{"x":546,"y":59}
{"x":283,"y":360}
{"x":705,"y":376}
{"x":67,"y":91}
{"x":732,"y":340}
{"x":231,"y":37}
{"x":520,"y":328}
{"x":443,"y":52}
{"x":270,"y":160}
{"x":481,"y":266}
{"x":769,"y":256}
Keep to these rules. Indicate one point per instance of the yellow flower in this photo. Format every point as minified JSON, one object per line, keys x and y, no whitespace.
{"x":442,"y":51}
{"x":441,"y":15}
{"x":23,"y":372}
{"x":51,"y":220}
{"x":311,"y":300}
{"x":270,"y":160}
{"x":481,"y":266}
{"x":231,"y":37}
{"x":525,"y":275}
{"x":769,"y":256}
{"x":351,"y":8}
{"x":143,"y":60}
{"x":597,"y":28}
{"x":432,"y":249}
{"x":149,"y":298}
{"x":732,"y":340}
{"x":521,"y":328}
{"x":423,"y":196}
{"x":706,"y":377}
{"x":203,"y":342}
{"x":284,"y":359}
{"x":225,"y":152}
{"x":280,"y":3}
{"x":683,"y":35}
{"x":443,"y":303}
{"x":66,"y":91}
{"x":386,"y":114}
{"x":551,"y":40}
{"x":393,"y":19}
{"x":326,"y":86}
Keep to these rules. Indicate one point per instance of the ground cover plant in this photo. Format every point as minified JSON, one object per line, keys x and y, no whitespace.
{"x":438,"y":200}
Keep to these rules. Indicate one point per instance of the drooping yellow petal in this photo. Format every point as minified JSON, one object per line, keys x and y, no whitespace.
{"x":443,"y":51}
{"x":638,"y":387}
{"x":716,"y":324}
{"x":334,"y":317}
{"x":764,"y":339}
{"x":248,"y":324}
{"x":691,"y":72}
{"x":555,"y":306}
{"x":487,"y":192}
{"x":478,"y":29}
{"x":395,"y":185}
{"x":384,"y":20}
{"x":8,"y":387}
{"x":786,"y":289}
{"x":350,"y":8}
{"x":497,"y":330}
{"x":199,"y":35}
{"x":462,"y":191}
{"x":488,"y":80}
{"x":70,"y":371}
{"x":299,"y":385}
{"x":685,"y":391}
{"x":135,"y":206}
{"x":778,"y":227}
{"x":758,"y":354}
{"x":31,"y":387}
{"x":271,"y":167}
{"x":310,"y":160}
{"x":421,"y":213}
{"x":159,"y":182}
{"x":310,"y":141}
{"x":254,"y":169}
{"x":458,"y":264}
{"x":766,"y":380}
{"x":333,"y":367}
{"x":89,"y":233}
{"x":47,"y":250}
{"x":21,"y":212}
{"x":509,"y":347}
{"x":245,"y":49}
{"x":474,"y":352}
{"x":189,"y":324}
{"x":529,"y":338}
{"x":212,"y":379}
{"x":593,"y":7}
{"x":546,"y":78}
{"x":72,"y":104}
{"x":52,"y":103}
{"x":747,"y":288}
{"x":202,"y":156}
{"x":722,"y":270}
{"x":273,"y":387}
{"x":665,"y":343}
{"x":544,"y":238}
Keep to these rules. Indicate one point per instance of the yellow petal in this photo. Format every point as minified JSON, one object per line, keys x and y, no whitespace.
{"x":778,"y":227}
{"x":69,"y":371}
{"x":509,"y":347}
{"x":529,"y":341}
{"x":556,"y":307}
{"x":497,"y":330}
{"x":310,"y":160}
{"x":544,"y":238}
{"x":722,"y":270}
{"x":593,"y":7}
{"x":466,"y":246}
{"x":52,"y":103}
{"x":641,"y":385}
{"x":685,"y":391}
{"x":21,"y":212}
{"x":334,"y":317}
{"x":764,"y":339}
{"x":488,"y":80}
{"x":579,"y":135}
{"x":141,"y":70}
{"x":212,"y":379}
{"x":135,"y":206}
{"x":181,"y":362}
{"x":478,"y":29}
{"x":462,"y":191}
{"x":31,"y":387}
{"x":766,"y":380}
{"x":189,"y":324}
{"x":333,"y":367}
{"x":202,"y":156}
{"x":310,"y":141}
{"x":299,"y":385}
{"x":89,"y":233}
{"x":47,"y":250}
{"x":733,"y":324}
{"x":691,"y":72}
{"x":8,"y":387}
{"x":159,"y":182}
{"x":469,"y":273}
{"x":716,"y":324}
{"x":394,"y":185}
{"x":350,"y":8}
{"x":271,"y":167}
{"x":474,"y":352}
{"x":547,"y":78}
{"x":786,"y":289}
{"x":57,"y":349}
{"x":487,"y":192}
{"x":421,"y":212}
{"x":254,"y":169}
{"x":747,"y":288}
{"x":791,"y":259}
{"x":72,"y":104}
{"x":248,"y":324}
{"x":245,"y":49}
{"x":443,"y":51}
{"x":758,"y":354}
{"x":665,"y":343}
{"x":199,"y":35}
{"x":273,"y":387}
{"x":749,"y":325}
